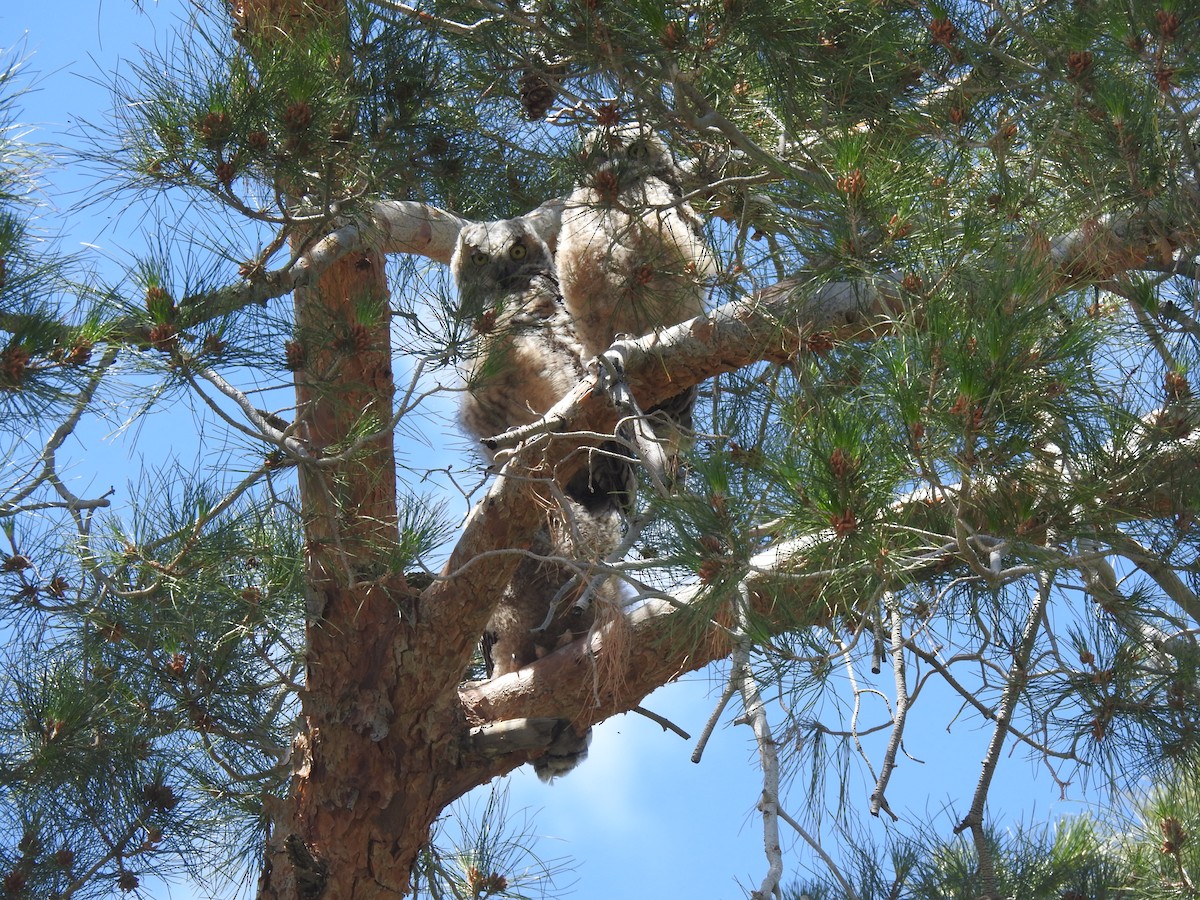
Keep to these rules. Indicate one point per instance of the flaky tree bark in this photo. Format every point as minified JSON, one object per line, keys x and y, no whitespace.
{"x":384,"y":746}
{"x":360,"y":802}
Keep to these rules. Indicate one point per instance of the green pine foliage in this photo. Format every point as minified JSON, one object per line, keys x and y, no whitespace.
{"x":992,"y":486}
{"x":1144,"y":849}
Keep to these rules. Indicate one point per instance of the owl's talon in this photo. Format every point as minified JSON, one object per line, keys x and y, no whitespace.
{"x":610,"y":370}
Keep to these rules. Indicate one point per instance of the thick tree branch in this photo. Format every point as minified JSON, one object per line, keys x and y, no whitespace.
{"x":774,"y":326}
{"x":403,"y":226}
{"x":666,"y":638}
{"x":1097,"y":250}
{"x":658,"y":642}
{"x":1107,"y":245}
{"x":1162,"y":573}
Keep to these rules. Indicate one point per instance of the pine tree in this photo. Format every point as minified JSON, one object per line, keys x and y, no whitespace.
{"x":946,"y":432}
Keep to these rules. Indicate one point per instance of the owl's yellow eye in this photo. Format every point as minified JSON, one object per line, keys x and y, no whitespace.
{"x":480,"y":258}
{"x":517,"y":251}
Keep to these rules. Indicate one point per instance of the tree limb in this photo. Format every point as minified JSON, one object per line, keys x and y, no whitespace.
{"x":665,"y":638}
{"x":756,"y":717}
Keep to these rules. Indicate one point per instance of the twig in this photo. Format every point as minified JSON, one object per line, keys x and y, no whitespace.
{"x":820,"y":851}
{"x":878,"y":797}
{"x":61,"y":433}
{"x":711,"y":724}
{"x":1017,"y":676}
{"x":116,"y":850}
{"x":844,"y":652}
{"x":940,"y":669}
{"x":264,"y":428}
{"x":667,"y":724}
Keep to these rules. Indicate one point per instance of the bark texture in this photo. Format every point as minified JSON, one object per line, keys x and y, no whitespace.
{"x":360,"y":801}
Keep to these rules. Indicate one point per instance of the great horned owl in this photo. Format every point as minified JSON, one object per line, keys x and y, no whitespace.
{"x":630,"y":253}
{"x":526,"y":358}
{"x":553,"y":599}
{"x":527,"y":355}
{"x":631,"y":256}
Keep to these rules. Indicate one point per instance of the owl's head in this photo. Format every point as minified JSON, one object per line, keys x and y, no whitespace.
{"x":630,"y":151}
{"x":492,"y":259}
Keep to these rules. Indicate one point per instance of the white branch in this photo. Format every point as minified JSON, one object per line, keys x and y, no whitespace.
{"x":878,"y":797}
{"x":756,"y":716}
{"x":404,"y":226}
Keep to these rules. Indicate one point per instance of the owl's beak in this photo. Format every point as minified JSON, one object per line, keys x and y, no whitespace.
{"x":515,"y":280}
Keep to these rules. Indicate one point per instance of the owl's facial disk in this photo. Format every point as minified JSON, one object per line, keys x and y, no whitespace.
{"x":627,"y":153}
{"x":496,"y":259}
{"x":513,"y":270}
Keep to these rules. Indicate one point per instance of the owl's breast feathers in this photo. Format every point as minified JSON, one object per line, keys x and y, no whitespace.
{"x":633,"y":265}
{"x":528,"y":358}
{"x":534,"y":302}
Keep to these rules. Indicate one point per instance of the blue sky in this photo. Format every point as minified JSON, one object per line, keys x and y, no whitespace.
{"x":638,"y":818}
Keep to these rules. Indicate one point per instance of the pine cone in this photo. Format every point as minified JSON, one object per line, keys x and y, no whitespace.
{"x":537,"y":94}
{"x":535,"y":88}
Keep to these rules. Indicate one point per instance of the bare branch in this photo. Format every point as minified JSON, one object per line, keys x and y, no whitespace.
{"x":756,"y":717}
{"x":820,"y":851}
{"x":1014,"y":685}
{"x":942,"y":670}
{"x":1162,"y":574}
{"x":878,"y":796}
{"x":404,"y":226}
{"x":437,"y":23}
{"x":662,"y":721}
{"x":713,"y":719}
{"x":46,"y":462}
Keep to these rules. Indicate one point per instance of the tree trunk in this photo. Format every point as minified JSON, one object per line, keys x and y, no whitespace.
{"x":359,"y":806}
{"x":383,"y":741}
{"x":343,"y":780}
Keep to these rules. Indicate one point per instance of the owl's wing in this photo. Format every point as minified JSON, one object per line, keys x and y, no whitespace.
{"x":608,"y":481}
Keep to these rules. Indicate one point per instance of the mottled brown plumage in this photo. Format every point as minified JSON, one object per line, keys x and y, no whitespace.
{"x":525,"y":358}
{"x":547,"y":608}
{"x":631,"y":256}
{"x":630,"y":253}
